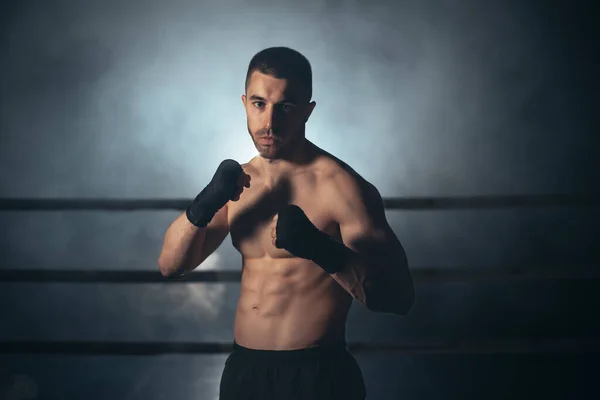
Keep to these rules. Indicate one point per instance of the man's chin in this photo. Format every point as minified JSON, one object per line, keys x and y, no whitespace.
{"x":269,"y":155}
{"x":268,"y":152}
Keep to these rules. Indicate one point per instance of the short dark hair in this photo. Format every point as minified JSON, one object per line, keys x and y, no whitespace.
{"x":282,"y":63}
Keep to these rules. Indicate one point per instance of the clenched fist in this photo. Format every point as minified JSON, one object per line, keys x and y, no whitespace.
{"x":292,"y":230}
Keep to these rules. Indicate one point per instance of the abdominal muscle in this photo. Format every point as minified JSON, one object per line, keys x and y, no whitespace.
{"x":287,"y":304}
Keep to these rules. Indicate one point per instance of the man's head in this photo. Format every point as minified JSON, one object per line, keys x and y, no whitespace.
{"x":278,"y":100}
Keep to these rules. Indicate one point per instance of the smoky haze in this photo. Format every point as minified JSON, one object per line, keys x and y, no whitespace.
{"x":141,"y":99}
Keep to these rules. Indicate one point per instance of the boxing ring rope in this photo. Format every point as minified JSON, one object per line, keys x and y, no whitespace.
{"x":390,"y":203}
{"x":582,"y":345}
{"x":421,"y":275}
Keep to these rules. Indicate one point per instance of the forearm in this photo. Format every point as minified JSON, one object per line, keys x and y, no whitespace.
{"x":388,"y":286}
{"x":353,"y":279}
{"x":345,"y":265}
{"x":381,"y":282}
{"x":376,"y":274}
{"x":379,"y":286}
{"x":182,"y":247}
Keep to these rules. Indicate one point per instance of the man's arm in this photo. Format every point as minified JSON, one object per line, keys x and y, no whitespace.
{"x":186,"y":246}
{"x":376,"y":272}
{"x":197,"y":233}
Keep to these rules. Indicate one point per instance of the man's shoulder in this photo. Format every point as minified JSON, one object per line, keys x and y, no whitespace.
{"x":329,"y":166}
{"x":338,"y":175}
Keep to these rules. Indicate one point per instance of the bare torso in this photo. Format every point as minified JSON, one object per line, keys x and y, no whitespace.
{"x":285,"y":302}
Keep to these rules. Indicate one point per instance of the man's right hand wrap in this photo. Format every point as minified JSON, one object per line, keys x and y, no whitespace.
{"x":222,"y":188}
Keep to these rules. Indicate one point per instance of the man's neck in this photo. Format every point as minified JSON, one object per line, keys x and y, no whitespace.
{"x":273,"y":170}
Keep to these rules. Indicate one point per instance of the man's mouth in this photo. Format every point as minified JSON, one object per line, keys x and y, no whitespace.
{"x":266,"y":140}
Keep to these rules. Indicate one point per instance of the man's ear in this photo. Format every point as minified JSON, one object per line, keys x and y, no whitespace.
{"x":309,"y":110}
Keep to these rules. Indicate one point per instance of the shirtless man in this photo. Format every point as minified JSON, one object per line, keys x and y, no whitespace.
{"x":313,"y":236}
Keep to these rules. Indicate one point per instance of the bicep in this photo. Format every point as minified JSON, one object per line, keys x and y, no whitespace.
{"x":369,"y":237}
{"x":364,"y":226}
{"x":216,"y":232}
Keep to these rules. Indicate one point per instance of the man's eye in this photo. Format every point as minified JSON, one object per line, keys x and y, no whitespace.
{"x":258,"y":104}
{"x":287,"y":107}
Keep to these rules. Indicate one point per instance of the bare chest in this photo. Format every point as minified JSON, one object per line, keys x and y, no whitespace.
{"x":251,"y":218}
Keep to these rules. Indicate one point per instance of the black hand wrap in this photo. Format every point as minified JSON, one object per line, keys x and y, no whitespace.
{"x":222,"y":188}
{"x":299,"y":236}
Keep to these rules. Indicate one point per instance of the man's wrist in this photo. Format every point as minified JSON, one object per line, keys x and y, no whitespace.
{"x":330,"y":254}
{"x":202,"y":209}
{"x":197,"y":217}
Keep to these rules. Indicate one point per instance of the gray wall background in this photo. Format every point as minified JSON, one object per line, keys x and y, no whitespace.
{"x":140,"y":99}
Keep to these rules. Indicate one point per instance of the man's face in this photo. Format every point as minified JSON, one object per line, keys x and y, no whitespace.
{"x":276,"y":111}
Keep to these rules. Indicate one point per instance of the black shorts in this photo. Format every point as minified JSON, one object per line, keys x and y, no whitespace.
{"x":318,"y":373}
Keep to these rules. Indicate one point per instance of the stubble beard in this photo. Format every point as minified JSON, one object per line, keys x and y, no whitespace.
{"x":272,"y":152}
{"x":280,"y":149}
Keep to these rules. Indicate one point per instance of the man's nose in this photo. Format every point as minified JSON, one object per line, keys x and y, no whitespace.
{"x":272,"y":118}
{"x":269,"y":117}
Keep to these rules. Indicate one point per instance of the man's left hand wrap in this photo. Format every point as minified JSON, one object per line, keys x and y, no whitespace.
{"x":296,"y":234}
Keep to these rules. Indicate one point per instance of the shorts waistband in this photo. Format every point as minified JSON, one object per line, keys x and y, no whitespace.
{"x":310,"y":353}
